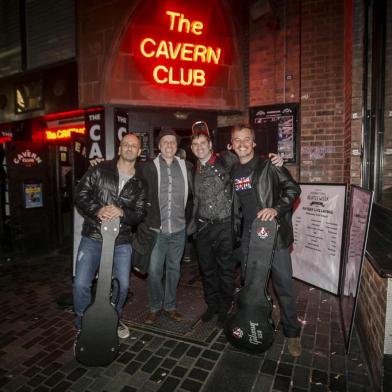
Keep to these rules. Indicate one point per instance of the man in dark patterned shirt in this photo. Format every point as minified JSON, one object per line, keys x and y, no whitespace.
{"x":212,"y":205}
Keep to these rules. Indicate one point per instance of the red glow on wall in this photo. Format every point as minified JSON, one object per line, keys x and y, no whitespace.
{"x":63,"y":133}
{"x":178,"y":45}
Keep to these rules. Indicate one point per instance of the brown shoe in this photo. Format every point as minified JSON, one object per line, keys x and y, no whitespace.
{"x":151,"y":318}
{"x":294,"y":347}
{"x":174,"y":315}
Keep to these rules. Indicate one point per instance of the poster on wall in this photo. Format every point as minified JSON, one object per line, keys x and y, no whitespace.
{"x":120,"y":121}
{"x":276,"y":128}
{"x":33,"y":195}
{"x":318,"y":232}
{"x":360,"y":206}
{"x":95,"y":130}
{"x":145,"y":139}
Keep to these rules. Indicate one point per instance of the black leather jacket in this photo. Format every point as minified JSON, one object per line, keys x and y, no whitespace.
{"x":98,"y":188}
{"x":275,"y":188}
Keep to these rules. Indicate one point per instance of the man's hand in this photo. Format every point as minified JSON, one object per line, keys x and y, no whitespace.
{"x":110,"y":212}
{"x":267,"y":214}
{"x":276,"y":159}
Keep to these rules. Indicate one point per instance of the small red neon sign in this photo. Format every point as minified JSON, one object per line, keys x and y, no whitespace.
{"x":63,"y":133}
{"x":187,"y":52}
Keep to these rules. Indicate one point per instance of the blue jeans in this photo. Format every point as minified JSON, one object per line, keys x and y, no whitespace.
{"x":166,"y":254}
{"x":87,"y":263}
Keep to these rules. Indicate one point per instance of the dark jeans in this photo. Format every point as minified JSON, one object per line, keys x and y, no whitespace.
{"x":87,"y":264}
{"x":281,"y":274}
{"x":215,"y":249}
{"x":166,"y":256}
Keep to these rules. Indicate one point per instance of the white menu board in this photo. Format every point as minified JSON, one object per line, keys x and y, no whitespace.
{"x":318,"y":230}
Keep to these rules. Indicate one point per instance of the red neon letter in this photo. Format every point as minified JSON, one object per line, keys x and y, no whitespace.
{"x":172,"y":16}
{"x":142,"y":45}
{"x":155,"y":74}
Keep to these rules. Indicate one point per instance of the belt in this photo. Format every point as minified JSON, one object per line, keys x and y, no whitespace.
{"x":214,"y":221}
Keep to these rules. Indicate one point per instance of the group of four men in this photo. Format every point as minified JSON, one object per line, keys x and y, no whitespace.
{"x":172,"y":200}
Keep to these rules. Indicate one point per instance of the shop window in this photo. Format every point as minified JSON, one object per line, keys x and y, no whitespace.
{"x":10,"y":44}
{"x":385,"y":179}
{"x":50,"y":31}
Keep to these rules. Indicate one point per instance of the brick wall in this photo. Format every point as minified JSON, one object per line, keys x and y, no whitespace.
{"x":322,"y":91}
{"x":370,"y":317}
{"x":356,"y":89}
{"x":306,"y":41}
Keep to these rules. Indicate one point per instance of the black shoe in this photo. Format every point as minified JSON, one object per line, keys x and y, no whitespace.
{"x":209,"y":314}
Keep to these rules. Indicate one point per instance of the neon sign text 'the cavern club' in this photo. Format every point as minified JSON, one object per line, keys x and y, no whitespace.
{"x":180,"y":52}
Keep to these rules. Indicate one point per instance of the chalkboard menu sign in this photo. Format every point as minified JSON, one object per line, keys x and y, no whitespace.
{"x":276,"y":129}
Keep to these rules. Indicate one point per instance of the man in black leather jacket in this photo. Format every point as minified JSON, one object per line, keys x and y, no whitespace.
{"x":268,"y":192}
{"x":108,"y":191}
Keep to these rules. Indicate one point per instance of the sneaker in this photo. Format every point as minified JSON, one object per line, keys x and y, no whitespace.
{"x":122,"y":330}
{"x":294,"y":347}
{"x":151,"y":318}
{"x":174,"y":315}
{"x":209,"y":314}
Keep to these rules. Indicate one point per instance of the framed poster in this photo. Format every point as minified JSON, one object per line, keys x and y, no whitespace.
{"x":33,"y":195}
{"x":318,"y":222}
{"x":276,"y":129}
{"x":360,"y":207}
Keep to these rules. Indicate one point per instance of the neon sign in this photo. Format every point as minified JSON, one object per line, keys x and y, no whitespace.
{"x":63,"y":133}
{"x":194,"y":53}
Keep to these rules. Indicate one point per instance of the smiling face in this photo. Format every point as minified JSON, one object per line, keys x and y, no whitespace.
{"x":129,"y":148}
{"x":201,"y":146}
{"x":168,"y":146}
{"x":243,"y":144}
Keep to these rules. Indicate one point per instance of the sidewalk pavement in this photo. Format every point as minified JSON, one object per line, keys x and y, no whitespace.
{"x":37,"y":337}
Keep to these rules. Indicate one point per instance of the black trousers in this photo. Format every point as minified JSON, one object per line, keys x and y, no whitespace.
{"x":215,"y":249}
{"x":281,"y":274}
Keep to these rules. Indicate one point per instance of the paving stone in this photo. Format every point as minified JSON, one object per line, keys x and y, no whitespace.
{"x":151,"y":364}
{"x":159,"y":375}
{"x":133,"y":367}
{"x":198,"y":374}
{"x":168,"y":363}
{"x":208,"y":354}
{"x":194,"y":351}
{"x":269,"y":367}
{"x":179,"y":371}
{"x":204,"y":364}
{"x":179,"y":350}
{"x":281,"y":383}
{"x":125,"y":358}
{"x":76,"y":374}
{"x":234,"y":372}
{"x":169,"y":385}
{"x":191,"y":385}
{"x":143,"y":355}
{"x":301,"y":377}
{"x":163,"y":352}
{"x":337,"y":383}
{"x":264,"y":383}
{"x":128,"y":389}
{"x":284,"y":369}
{"x":54,"y":379}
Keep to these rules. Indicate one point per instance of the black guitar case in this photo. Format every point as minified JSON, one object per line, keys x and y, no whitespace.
{"x":249,"y":325}
{"x":97,"y":343}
